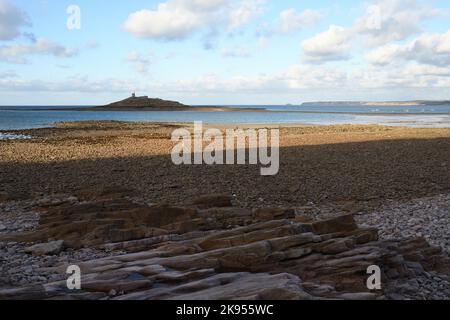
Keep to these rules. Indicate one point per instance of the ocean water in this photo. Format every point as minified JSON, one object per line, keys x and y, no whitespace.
{"x":359,"y":109}
{"x":12,"y":136}
{"x":16,"y":118}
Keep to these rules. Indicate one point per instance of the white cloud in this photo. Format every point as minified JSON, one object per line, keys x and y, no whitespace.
{"x":303,"y":76}
{"x":164,"y":23}
{"x":17,"y":53}
{"x":301,"y":81}
{"x":385,"y":22}
{"x":333,"y":44}
{"x":291,"y":20}
{"x":411,"y":76}
{"x":427,"y":70}
{"x":139,"y":63}
{"x":214,"y":84}
{"x":243,"y":12}
{"x":384,"y":55}
{"x":11,"y":20}
{"x":393,"y":20}
{"x":388,"y":28}
{"x":307,"y":78}
{"x":430,"y":49}
{"x":74,"y":84}
{"x":178,"y":19}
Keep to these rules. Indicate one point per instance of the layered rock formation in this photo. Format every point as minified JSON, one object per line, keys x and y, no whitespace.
{"x":209,"y":249}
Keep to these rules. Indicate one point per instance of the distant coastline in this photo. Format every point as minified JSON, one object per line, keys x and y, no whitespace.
{"x":379,"y":103}
{"x":144,"y":103}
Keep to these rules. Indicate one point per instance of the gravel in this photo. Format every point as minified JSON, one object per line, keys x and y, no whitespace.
{"x":18,"y":268}
{"x":425,"y":217}
{"x":17,"y":217}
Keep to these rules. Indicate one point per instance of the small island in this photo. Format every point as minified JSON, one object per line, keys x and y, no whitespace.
{"x":144,"y":103}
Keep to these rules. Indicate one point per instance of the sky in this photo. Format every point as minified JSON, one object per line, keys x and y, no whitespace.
{"x":223,"y":52}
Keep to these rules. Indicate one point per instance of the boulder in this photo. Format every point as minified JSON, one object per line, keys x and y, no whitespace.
{"x":341,"y":223}
{"x":46,"y":249}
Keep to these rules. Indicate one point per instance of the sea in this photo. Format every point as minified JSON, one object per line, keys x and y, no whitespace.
{"x":434,"y":116}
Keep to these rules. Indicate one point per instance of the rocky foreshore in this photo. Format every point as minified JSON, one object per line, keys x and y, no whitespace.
{"x":205,"y":249}
{"x":106,"y":196}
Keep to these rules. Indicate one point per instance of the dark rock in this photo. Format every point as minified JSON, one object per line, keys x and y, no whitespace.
{"x":211,"y":201}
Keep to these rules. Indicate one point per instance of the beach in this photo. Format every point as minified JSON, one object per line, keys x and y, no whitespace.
{"x":335,"y":164}
{"x":244,"y":150}
{"x":382,"y":176}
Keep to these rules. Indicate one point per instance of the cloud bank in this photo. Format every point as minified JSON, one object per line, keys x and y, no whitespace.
{"x":12,"y":20}
{"x":179,"y":19}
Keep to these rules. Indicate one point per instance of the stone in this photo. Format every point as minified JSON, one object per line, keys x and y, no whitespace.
{"x":358,"y":296}
{"x":50,"y":248}
{"x":335,"y":246}
{"x":107,"y":286}
{"x":273,"y":213}
{"x":337,"y":224}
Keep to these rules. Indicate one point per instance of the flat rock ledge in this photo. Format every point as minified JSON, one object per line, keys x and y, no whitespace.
{"x":211,"y":250}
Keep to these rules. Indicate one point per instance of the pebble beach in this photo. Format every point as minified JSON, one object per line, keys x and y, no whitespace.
{"x":394,"y":179}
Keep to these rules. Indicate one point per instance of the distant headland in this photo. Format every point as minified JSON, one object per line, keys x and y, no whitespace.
{"x":379,"y":103}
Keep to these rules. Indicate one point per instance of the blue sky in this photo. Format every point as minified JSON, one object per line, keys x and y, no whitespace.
{"x":224,"y":51}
